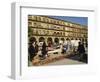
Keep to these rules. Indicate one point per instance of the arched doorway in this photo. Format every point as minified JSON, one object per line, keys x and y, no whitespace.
{"x":32,"y":39}
{"x":49,"y":41}
{"x":62,"y":39}
{"x":56,"y":40}
{"x":76,"y":39}
{"x":67,"y":38}
{"x":72,"y":38}
{"x":41,"y":39}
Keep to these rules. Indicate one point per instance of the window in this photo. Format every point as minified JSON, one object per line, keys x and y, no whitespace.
{"x":35,"y":24}
{"x":30,"y":23}
{"x":38,"y":18}
{"x":43,"y":19}
{"x":47,"y":20}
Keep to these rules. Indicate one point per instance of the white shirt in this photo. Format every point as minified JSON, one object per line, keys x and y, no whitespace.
{"x":73,"y":42}
{"x":77,"y":42}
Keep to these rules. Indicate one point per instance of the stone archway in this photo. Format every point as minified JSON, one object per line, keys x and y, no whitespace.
{"x":56,"y":40}
{"x":32,"y":39}
{"x":41,"y":39}
{"x":49,"y":41}
{"x":72,"y":38}
{"x":62,"y":39}
{"x":67,"y":39}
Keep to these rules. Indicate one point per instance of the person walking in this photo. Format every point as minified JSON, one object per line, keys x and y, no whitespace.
{"x":65,"y":47}
{"x":31,"y":51}
{"x":81,"y":50}
{"x":36,"y":48}
{"x":69,"y":46}
{"x":44,"y":50}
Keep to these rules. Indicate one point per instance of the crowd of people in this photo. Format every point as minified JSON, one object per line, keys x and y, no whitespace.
{"x":34,"y":49}
{"x":75,"y":46}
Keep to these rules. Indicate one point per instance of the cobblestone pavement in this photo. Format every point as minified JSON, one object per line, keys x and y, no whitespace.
{"x":65,"y":61}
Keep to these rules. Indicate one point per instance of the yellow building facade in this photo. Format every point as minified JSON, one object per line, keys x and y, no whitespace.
{"x":54,"y":30}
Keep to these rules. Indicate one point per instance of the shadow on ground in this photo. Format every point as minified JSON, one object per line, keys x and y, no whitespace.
{"x":77,"y":57}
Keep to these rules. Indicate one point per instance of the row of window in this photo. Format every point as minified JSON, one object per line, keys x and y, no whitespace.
{"x":47,"y":32}
{"x":43,"y":25}
{"x":54,"y":21}
{"x":75,"y":25}
{"x":55,"y":27}
{"x":45,"y":19}
{"x":75,"y":30}
{"x":55,"y":33}
{"x":75,"y":35}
